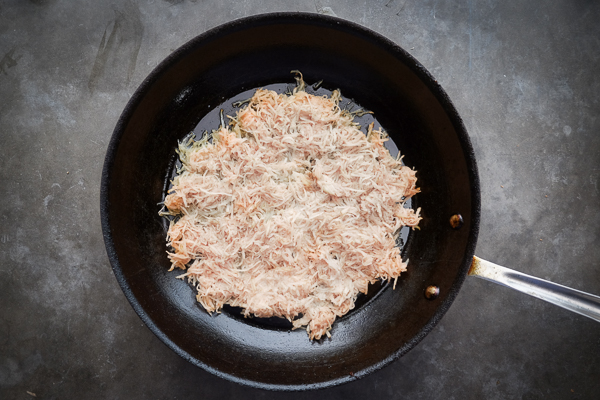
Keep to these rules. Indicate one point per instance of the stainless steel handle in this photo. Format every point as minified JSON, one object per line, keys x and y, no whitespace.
{"x":573,"y":300}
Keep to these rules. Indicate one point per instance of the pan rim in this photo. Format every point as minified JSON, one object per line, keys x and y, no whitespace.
{"x":273,"y":18}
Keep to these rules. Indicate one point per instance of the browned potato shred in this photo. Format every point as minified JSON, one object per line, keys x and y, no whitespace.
{"x":291,"y":211}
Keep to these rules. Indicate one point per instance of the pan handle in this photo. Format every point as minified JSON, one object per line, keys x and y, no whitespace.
{"x":573,"y":300}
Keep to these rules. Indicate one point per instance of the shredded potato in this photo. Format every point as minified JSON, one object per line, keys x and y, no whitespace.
{"x":291,"y":211}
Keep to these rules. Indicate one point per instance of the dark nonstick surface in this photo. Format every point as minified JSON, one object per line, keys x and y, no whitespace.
{"x":256,"y":52}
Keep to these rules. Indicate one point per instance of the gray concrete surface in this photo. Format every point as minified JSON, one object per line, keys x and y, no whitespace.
{"x":524,"y":75}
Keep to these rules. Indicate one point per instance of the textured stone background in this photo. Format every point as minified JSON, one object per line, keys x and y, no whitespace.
{"x":525,"y":76}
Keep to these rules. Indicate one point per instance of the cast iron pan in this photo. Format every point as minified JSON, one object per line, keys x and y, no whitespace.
{"x":256,"y":52}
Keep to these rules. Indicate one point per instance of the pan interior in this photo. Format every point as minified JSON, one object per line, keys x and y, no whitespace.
{"x":230,"y":61}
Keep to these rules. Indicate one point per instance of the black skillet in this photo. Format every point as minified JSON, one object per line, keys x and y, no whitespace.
{"x":261,"y":51}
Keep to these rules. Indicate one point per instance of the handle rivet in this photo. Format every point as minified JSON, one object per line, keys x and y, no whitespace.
{"x":432,"y":292}
{"x":456,"y":221}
